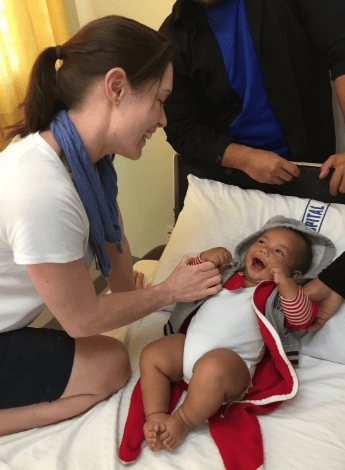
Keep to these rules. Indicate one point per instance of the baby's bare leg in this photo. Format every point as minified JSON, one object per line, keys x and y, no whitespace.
{"x":218,"y":375}
{"x":161,"y":362}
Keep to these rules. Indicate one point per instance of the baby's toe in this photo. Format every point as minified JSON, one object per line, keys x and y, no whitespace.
{"x":162,"y":427}
{"x":152,"y":426}
{"x":150,"y":434}
{"x":173,"y":444}
{"x":164,"y":435}
{"x":167,"y":442}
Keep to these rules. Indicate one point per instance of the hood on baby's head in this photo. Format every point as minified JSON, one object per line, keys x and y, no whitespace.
{"x":322,"y":248}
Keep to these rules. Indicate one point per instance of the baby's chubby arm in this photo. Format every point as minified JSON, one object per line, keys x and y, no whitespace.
{"x":287,"y":287}
{"x":299,"y":310}
{"x":218,"y":256}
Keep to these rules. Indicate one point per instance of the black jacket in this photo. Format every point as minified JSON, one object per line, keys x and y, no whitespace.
{"x":297,"y":43}
{"x":334,"y":275}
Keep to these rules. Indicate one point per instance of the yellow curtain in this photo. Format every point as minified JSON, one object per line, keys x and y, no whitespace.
{"x":26,"y":28}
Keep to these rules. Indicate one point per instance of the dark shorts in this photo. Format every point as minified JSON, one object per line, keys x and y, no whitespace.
{"x":35,"y":366}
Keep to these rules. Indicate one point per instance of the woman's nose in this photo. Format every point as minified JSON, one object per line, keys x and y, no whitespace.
{"x":162,"y":119}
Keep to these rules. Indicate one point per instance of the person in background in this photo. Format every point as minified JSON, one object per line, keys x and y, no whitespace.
{"x":252,"y":85}
{"x":58,"y":190}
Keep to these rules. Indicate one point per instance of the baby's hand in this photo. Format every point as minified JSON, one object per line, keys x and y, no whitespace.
{"x":139,"y":280}
{"x":217,"y":255}
{"x":280,"y":272}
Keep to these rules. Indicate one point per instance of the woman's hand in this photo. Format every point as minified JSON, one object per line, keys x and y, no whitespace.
{"x":326,"y":298}
{"x":218,"y":256}
{"x":139,"y":280}
{"x":188,"y":283}
{"x":260,"y":165}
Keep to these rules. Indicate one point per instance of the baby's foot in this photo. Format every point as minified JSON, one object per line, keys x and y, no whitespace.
{"x":153,"y":427}
{"x":176,"y":429}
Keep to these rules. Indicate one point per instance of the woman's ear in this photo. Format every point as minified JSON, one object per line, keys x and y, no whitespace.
{"x":296,"y":274}
{"x":115,"y":82}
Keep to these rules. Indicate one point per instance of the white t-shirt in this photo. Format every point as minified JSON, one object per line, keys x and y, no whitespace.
{"x":42,"y":219}
{"x":225,"y":320}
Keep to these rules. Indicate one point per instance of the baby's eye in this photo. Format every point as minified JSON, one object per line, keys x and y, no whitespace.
{"x":261,"y":242}
{"x":280,"y":252}
{"x":162,"y":102}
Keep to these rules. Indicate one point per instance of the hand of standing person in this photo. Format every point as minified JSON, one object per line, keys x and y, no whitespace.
{"x":337,"y":182}
{"x":261,"y":165}
{"x":326,"y":298}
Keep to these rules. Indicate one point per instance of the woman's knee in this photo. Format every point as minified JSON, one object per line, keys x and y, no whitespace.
{"x":101,"y":367}
{"x":119,"y":366}
{"x":109,"y":359}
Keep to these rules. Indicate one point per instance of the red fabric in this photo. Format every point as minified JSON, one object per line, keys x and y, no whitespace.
{"x":238,"y":437}
{"x":133,"y":433}
{"x":237,"y":434}
{"x":235,"y":282}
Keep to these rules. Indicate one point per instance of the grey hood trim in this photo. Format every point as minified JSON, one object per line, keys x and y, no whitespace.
{"x":323,"y":249}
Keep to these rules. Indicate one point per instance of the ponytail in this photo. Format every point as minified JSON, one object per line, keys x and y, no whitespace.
{"x":42,"y":100}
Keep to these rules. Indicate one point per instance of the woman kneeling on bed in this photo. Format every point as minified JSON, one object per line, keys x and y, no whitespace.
{"x":223,"y":344}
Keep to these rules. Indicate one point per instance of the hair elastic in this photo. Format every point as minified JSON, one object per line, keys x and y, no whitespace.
{"x":58,"y":52}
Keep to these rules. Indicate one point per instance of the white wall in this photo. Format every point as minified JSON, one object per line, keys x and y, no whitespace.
{"x":72,"y":16}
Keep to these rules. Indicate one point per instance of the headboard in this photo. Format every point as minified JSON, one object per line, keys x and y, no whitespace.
{"x":307,"y":185}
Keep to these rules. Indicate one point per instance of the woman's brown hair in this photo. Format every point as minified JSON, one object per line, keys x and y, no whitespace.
{"x":112,"y":41}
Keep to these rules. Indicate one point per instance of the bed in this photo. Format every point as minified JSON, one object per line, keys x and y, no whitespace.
{"x":306,"y":432}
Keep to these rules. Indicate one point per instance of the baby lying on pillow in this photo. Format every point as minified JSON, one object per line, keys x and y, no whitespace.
{"x":218,"y":354}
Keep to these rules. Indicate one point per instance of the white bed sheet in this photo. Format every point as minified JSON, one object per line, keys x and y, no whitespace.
{"x":307,"y":432}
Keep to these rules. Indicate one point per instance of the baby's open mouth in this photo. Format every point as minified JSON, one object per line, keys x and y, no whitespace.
{"x":257,"y":264}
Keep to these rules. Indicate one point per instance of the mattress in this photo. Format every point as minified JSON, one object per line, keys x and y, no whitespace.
{"x":307,"y":432}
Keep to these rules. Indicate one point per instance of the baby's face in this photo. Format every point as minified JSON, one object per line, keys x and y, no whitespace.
{"x":276,"y":246}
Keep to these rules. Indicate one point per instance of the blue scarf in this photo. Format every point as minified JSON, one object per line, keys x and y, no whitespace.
{"x":98,"y":195}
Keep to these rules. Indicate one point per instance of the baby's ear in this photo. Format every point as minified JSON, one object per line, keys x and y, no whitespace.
{"x":296,"y":274}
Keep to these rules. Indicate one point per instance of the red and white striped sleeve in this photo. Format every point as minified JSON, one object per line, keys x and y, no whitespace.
{"x":299,"y":312}
{"x":197,"y":260}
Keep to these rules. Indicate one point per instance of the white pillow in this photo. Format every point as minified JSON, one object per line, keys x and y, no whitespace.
{"x":216,"y":214}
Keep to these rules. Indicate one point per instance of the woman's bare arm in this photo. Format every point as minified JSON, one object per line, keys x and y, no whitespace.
{"x":121,"y":276}
{"x":68,"y":292}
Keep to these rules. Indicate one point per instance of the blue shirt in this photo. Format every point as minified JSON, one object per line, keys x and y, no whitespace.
{"x":257,"y":125}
